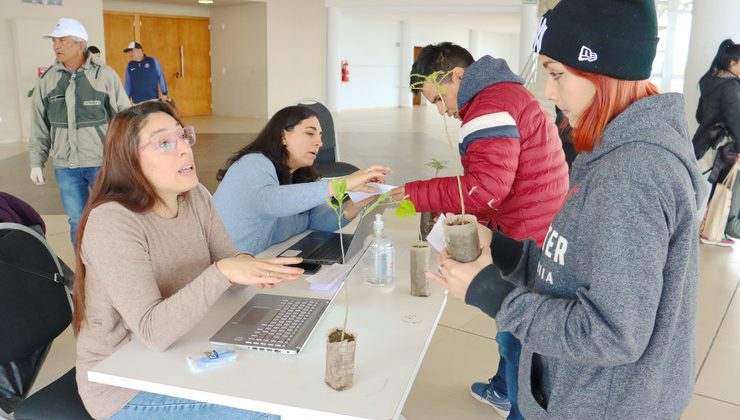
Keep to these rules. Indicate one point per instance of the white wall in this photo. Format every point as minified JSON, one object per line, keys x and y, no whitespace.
{"x":22,"y":50}
{"x":239,"y":60}
{"x":374,"y":62}
{"x":156,"y":8}
{"x":296,"y":52}
{"x":435,"y":31}
{"x":377,"y":62}
{"x":711,"y":23}
{"x":504,"y":46}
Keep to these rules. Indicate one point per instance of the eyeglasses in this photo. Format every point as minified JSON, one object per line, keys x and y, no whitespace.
{"x":166,"y":142}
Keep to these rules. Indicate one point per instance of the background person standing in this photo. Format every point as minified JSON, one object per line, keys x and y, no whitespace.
{"x":75,"y":100}
{"x":144,"y":78}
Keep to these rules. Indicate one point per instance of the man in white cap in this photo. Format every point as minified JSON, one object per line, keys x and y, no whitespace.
{"x":75,"y":100}
{"x":144,"y":77}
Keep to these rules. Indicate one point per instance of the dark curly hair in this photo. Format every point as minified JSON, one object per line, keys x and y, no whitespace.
{"x":269,"y":143}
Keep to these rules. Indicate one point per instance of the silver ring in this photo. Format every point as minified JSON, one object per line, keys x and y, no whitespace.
{"x":263,"y":275}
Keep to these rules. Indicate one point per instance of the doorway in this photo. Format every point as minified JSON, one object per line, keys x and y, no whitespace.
{"x":416,"y":98}
{"x":181,"y":45}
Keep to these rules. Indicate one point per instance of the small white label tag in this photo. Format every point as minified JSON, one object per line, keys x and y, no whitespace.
{"x":436,"y":237}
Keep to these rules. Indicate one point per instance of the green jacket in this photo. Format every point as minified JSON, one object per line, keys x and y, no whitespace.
{"x":70,"y":114}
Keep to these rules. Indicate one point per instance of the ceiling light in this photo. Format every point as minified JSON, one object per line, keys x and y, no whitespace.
{"x":205,"y":1}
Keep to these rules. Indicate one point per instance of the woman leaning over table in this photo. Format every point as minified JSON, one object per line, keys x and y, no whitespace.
{"x":271,"y":191}
{"x":152,"y":258}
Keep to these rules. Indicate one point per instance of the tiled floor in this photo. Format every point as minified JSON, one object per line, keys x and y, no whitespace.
{"x":463,"y":349}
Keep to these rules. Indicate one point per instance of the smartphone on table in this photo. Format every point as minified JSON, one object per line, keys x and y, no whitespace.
{"x":308,"y":268}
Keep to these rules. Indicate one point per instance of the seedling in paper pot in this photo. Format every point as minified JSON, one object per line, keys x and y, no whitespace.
{"x":461,"y":230}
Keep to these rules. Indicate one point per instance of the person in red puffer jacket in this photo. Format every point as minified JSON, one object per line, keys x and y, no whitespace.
{"x":515,"y":175}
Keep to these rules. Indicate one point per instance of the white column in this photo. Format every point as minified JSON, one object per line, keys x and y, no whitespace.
{"x":474,"y":44}
{"x":527,"y":29}
{"x":670,"y":41}
{"x":712,"y":22}
{"x":406,"y":52}
{"x":296,"y":52}
{"x":333,"y":60}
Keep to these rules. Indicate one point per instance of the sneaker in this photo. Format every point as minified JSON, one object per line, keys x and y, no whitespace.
{"x":484,"y":393}
{"x":726,"y":242}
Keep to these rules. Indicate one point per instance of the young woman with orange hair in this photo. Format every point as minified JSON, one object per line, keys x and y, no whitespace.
{"x":152,"y":258}
{"x":606,"y":309}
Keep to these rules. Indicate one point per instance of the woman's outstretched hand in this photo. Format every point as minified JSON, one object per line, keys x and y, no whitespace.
{"x":357,"y":181}
{"x":262,"y":272}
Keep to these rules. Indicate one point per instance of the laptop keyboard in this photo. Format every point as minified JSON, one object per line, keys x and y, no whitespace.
{"x":278,"y":333}
{"x":329,"y":251}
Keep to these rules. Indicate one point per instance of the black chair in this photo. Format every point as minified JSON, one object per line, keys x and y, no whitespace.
{"x":35,"y":307}
{"x":328,"y":162}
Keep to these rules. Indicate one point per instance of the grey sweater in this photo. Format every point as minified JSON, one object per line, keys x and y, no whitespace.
{"x":258,"y":212}
{"x":606,"y":310}
{"x":147,"y":277}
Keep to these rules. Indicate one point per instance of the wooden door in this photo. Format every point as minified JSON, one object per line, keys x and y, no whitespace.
{"x":417,"y":98}
{"x":119,"y":31}
{"x":182,"y":46}
{"x":159,"y":39}
{"x":195,"y":38}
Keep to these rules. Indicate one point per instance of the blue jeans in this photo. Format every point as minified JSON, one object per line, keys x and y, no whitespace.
{"x":74,"y":187}
{"x":506,"y":381}
{"x":149,"y":406}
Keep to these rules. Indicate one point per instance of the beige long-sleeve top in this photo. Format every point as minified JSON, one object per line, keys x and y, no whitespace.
{"x":147,"y":277}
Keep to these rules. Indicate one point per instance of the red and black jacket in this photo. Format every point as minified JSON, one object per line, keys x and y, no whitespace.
{"x":515,"y":174}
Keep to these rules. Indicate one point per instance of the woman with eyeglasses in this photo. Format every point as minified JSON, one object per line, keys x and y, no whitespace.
{"x":152,"y":258}
{"x":606,"y":308}
{"x":270,"y":190}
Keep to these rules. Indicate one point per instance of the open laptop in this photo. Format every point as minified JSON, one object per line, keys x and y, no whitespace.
{"x":323,"y":247}
{"x":283,"y":324}
{"x":280,"y":324}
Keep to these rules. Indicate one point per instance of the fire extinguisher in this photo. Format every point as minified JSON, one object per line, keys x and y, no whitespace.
{"x":345,"y":71}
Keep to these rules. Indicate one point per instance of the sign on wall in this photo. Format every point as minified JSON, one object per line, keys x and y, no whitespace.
{"x":44,"y":2}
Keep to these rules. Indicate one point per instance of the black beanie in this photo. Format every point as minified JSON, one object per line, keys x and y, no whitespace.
{"x":617,"y":38}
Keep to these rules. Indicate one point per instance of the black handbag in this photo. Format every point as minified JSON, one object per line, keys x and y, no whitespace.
{"x":708,"y":136}
{"x":725,"y":159}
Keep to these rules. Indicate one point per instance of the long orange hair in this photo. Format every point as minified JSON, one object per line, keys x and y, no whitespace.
{"x":120,"y":180}
{"x":612,"y":97}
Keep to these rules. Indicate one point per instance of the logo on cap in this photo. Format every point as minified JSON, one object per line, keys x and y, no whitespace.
{"x":537,"y":45}
{"x":587,"y":55}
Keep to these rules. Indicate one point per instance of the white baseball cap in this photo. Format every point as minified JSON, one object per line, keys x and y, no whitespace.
{"x":133,"y":45}
{"x":67,"y":27}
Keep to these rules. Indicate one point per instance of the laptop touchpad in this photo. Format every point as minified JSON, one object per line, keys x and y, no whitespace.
{"x":255,"y":316}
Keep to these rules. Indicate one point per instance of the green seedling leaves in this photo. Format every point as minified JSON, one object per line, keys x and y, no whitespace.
{"x":405,"y":209}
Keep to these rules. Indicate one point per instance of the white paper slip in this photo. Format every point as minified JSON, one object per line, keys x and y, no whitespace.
{"x":359,"y":196}
{"x":436,"y":237}
{"x":328,"y":278}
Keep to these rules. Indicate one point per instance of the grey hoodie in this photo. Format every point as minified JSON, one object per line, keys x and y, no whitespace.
{"x":606,"y":309}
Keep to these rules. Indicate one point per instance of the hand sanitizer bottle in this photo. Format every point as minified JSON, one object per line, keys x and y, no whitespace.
{"x":379,"y":260}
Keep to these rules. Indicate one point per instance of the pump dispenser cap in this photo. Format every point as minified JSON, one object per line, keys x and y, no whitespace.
{"x":378,"y":223}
